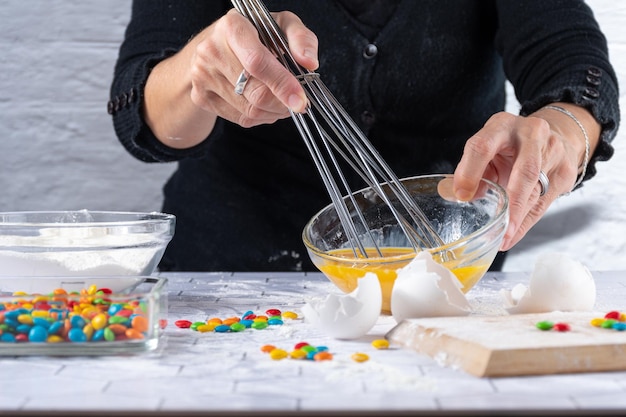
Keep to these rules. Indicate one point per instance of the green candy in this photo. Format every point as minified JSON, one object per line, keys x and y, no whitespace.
{"x":237,"y":327}
{"x":194,"y":326}
{"x":544,"y":325}
{"x":259,"y":325}
{"x":109,"y":336}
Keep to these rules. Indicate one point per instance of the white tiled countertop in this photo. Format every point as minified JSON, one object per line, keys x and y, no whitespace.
{"x":197,"y":373}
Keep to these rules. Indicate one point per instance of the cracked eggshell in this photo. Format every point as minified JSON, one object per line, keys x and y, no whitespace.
{"x":425,"y":288}
{"x":347,"y":316}
{"x":557,"y":283}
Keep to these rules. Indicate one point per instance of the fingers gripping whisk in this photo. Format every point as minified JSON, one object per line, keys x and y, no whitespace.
{"x":331,"y":136}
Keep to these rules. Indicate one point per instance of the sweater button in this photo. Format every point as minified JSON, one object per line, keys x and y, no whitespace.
{"x":594,"y":71}
{"x":368,"y":118}
{"x":590,"y":93}
{"x":593,"y":80}
{"x":370,"y":51}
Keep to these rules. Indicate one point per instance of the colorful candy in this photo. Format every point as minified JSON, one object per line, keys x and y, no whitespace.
{"x":614,"y":320}
{"x":544,"y":325}
{"x":360,"y":357}
{"x":301,"y":350}
{"x":248,"y":320}
{"x":77,"y":317}
{"x":380,"y":344}
{"x":562,"y":327}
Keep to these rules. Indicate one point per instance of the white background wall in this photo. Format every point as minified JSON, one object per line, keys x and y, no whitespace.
{"x":58,"y":150}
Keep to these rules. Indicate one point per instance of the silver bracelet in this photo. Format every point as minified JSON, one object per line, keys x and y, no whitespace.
{"x":568,"y":113}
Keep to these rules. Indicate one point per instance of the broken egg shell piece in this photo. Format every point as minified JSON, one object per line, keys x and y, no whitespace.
{"x":557,"y":283}
{"x":425,"y":288}
{"x":347,"y":316}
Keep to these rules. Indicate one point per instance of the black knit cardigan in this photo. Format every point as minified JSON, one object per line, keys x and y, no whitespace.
{"x":418,"y":87}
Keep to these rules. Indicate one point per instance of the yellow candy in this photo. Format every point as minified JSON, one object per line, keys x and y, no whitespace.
{"x":290,"y":315}
{"x":99,"y":321}
{"x":204,"y":328}
{"x":298,"y":354}
{"x":278,"y":354}
{"x":380,"y":343}
{"x":88,"y":330}
{"x":55,"y":338}
{"x":360,"y":357}
{"x":25,"y":319}
{"x":597,"y":322}
{"x":40,"y":313}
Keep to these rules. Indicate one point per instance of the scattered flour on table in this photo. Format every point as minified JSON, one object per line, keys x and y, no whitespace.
{"x":391,"y":378}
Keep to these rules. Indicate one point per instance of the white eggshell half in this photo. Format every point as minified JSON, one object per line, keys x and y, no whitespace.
{"x":347,"y":316}
{"x":425,"y":288}
{"x":557,"y":283}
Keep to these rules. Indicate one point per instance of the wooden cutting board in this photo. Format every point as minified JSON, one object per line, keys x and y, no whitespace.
{"x":512,"y":345}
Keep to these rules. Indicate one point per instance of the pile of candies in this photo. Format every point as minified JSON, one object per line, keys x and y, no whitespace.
{"x":88,"y":315}
{"x":249,"y":320}
{"x":304,"y":350}
{"x":612,"y":320}
{"x":272,"y":317}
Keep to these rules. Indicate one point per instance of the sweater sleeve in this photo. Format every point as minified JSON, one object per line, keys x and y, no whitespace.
{"x":555,"y":51}
{"x":157,"y":30}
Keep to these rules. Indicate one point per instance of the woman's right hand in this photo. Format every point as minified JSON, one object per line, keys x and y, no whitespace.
{"x":186,"y":93}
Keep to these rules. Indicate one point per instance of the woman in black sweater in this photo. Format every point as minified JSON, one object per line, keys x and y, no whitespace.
{"x":424,"y":80}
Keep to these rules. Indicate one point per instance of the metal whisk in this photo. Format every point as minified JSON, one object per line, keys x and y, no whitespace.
{"x":327,"y":131}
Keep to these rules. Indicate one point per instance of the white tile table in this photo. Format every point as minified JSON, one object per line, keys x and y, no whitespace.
{"x":226,"y":374}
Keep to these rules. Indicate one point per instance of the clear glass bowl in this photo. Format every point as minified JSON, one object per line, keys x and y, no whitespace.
{"x":83,"y":316}
{"x":82,"y":243}
{"x":472,"y":233}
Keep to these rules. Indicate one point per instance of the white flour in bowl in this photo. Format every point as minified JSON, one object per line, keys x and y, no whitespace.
{"x":71,"y":254}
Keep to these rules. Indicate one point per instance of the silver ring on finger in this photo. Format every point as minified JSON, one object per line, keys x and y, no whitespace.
{"x":544,"y":183}
{"x":243,"y":79}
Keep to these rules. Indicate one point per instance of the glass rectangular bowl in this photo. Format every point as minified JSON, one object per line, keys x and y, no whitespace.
{"x":82,"y":316}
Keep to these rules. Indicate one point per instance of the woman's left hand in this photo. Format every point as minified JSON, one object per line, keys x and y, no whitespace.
{"x":513,"y":150}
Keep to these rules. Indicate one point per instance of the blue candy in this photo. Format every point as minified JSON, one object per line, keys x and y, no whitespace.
{"x":619,"y":326}
{"x":222,"y":328}
{"x":40,"y":321}
{"x":114,"y":309}
{"x":77,"y":335}
{"x":77,"y":322}
{"x":38,"y":334}
{"x":55,"y":327}
{"x":7,"y":338}
{"x":98,"y":335}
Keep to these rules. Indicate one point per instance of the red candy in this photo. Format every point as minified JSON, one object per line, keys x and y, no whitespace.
{"x":561,"y":327}
{"x":273,"y":312}
{"x":300,"y":345}
{"x":615,"y":315}
{"x":183,"y":324}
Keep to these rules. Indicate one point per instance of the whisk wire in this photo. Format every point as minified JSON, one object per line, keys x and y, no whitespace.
{"x":348,"y":141}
